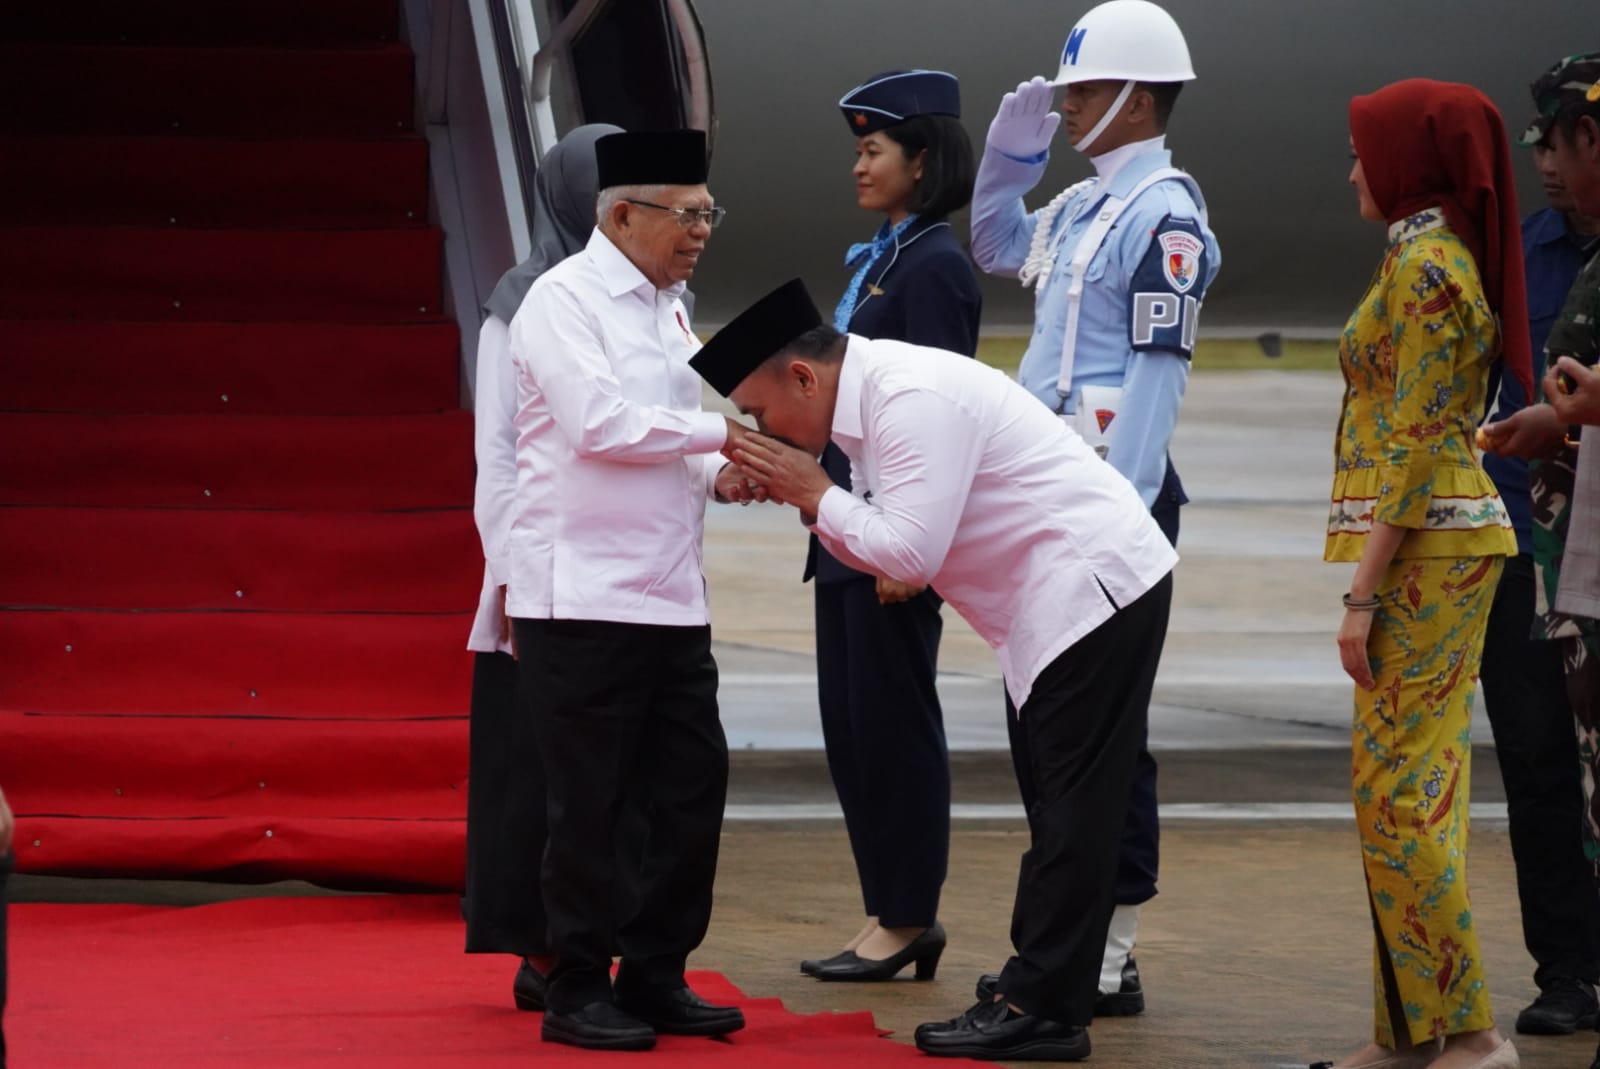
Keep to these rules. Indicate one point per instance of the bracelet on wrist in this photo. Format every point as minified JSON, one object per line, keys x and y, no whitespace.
{"x":1371,"y":604}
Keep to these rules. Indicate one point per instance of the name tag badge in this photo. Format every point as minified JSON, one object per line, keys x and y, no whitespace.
{"x":1094,"y":416}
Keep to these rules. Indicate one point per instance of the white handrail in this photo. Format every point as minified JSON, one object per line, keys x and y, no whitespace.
{"x":701,"y":111}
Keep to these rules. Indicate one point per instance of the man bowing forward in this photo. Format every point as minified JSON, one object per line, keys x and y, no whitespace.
{"x":964,"y":482}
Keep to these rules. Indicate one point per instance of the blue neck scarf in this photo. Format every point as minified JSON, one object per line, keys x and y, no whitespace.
{"x":865,"y":254}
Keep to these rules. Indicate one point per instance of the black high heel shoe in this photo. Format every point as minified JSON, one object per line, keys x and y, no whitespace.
{"x":849,"y":967}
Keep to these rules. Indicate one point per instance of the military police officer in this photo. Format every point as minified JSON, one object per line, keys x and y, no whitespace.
{"x":1120,"y":264}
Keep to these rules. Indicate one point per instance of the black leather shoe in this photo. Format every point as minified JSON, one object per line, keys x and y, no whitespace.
{"x":991,"y":1031}
{"x":925,"y":950}
{"x":1126,"y":1001}
{"x":1562,"y":1008}
{"x":598,"y":1026}
{"x":955,"y":1022}
{"x":811,"y":965}
{"x":529,"y":987}
{"x":680,"y":1012}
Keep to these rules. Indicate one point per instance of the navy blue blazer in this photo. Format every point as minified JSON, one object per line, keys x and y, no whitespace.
{"x":923,"y":291}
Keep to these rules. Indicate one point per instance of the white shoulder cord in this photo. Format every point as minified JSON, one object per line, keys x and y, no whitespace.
{"x":1042,"y":252}
{"x":1089,"y":243}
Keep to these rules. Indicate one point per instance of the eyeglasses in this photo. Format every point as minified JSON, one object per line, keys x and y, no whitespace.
{"x":687,"y":217}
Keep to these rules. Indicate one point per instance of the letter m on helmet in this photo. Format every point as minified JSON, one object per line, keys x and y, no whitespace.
{"x":1069,"y":55}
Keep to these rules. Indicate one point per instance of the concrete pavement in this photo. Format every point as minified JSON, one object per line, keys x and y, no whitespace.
{"x":1258,"y":950}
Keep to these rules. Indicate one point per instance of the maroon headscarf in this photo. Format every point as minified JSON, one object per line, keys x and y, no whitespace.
{"x":1424,"y":144}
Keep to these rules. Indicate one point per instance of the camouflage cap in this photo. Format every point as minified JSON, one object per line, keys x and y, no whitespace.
{"x":1573,"y":79}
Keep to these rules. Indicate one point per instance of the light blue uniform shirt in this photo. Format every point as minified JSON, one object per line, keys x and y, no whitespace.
{"x":1153,"y":374}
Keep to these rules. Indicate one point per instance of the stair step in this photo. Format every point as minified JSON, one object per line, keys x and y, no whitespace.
{"x":142,"y":767}
{"x":259,"y":92}
{"x":238,"y":462}
{"x":370,"y":666}
{"x":197,"y":182}
{"x":356,"y":854}
{"x":308,"y":23}
{"x":253,"y":561}
{"x":229,"y":368}
{"x":101,"y":273}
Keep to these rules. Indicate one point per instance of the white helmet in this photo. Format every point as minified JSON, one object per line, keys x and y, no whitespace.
{"x":1125,"y":41}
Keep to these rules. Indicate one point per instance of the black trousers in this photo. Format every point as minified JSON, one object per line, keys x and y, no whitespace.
{"x":1525,"y":691}
{"x":626,"y":716}
{"x":1076,"y":751}
{"x":884,"y":734}
{"x":506,"y":826}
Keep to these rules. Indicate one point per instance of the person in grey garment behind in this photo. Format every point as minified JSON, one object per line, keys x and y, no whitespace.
{"x":506,"y":825}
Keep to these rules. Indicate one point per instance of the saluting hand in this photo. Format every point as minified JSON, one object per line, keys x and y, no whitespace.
{"x":1582,"y":403}
{"x":789,"y":475}
{"x":1026,"y":121}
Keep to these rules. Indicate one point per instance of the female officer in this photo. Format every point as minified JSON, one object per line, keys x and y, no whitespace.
{"x":878,"y":640}
{"x":1415,"y":511}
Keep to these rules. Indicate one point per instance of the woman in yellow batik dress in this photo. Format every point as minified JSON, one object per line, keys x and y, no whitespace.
{"x":1413,"y":507}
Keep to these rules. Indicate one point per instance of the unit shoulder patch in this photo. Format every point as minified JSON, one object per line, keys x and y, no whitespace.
{"x":1166,"y":289}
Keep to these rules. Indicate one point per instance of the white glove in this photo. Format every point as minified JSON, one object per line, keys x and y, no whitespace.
{"x":1026,"y":122}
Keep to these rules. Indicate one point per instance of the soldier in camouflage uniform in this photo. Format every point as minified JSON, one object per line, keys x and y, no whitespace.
{"x":1565,"y":476}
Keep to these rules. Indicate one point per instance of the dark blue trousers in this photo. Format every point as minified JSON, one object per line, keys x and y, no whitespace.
{"x":883,"y":730}
{"x":506,"y":823}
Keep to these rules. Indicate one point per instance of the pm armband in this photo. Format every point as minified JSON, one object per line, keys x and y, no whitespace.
{"x":1167,"y":288}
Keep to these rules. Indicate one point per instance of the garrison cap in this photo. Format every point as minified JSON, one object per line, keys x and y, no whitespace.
{"x":1574,"y":79}
{"x":755,"y":334}
{"x":895,"y":96}
{"x":662,"y":158}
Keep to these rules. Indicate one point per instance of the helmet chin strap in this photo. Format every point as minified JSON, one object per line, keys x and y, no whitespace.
{"x":1088,"y":139}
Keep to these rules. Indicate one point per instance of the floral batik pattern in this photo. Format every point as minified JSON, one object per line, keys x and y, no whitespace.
{"x":1411,"y":784}
{"x":1415,"y":356}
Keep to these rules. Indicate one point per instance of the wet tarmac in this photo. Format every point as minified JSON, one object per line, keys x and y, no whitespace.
{"x":1257,"y":952}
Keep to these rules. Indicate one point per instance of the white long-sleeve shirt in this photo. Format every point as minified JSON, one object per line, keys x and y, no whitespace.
{"x":615,"y":459}
{"x":965,"y":482}
{"x":495,"y":446}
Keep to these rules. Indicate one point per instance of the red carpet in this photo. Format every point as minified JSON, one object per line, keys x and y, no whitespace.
{"x":235,"y":500}
{"x":195,"y":90}
{"x":375,"y":982}
{"x":278,"y":23}
{"x":264,"y":562}
{"x":228,"y":368}
{"x":239,"y":462}
{"x":180,"y":181}
{"x":124,"y":272}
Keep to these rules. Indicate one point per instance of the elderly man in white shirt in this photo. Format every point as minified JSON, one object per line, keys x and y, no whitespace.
{"x":615,"y":461}
{"x":965,"y":482}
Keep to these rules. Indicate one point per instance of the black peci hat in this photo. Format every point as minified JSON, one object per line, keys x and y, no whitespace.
{"x":755,"y":335}
{"x":1573,"y":79}
{"x":662,"y":158}
{"x":895,"y":96}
